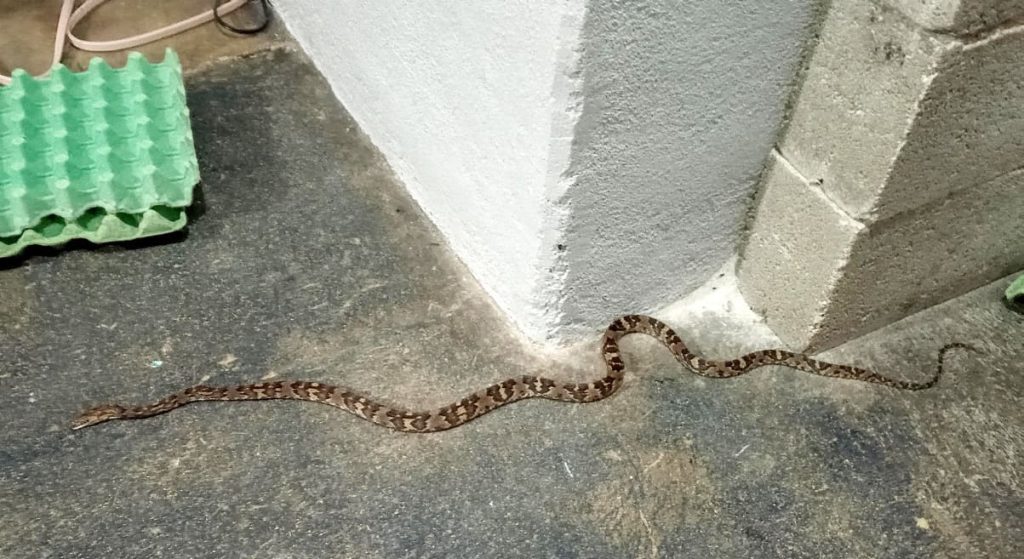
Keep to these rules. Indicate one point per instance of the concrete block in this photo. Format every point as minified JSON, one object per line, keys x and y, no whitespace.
{"x":796,"y":247}
{"x":969,"y":127}
{"x":858,"y":100}
{"x":925,"y":257}
{"x":891,"y":117}
{"x":820,"y":278}
{"x":960,"y":17}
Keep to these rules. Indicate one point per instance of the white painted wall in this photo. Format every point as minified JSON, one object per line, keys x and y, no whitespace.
{"x":682,"y":103}
{"x":585,"y":158}
{"x":470,"y":103}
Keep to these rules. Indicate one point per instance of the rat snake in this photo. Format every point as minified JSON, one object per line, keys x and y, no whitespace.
{"x":510,"y":390}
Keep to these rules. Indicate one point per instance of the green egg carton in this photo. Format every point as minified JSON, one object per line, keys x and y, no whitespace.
{"x":1015,"y":294}
{"x":105,"y":154}
{"x":97,"y":226}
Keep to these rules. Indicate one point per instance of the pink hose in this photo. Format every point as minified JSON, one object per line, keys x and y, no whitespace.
{"x":70,"y":17}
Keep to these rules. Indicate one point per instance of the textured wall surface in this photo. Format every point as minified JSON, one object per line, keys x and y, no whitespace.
{"x":891,"y":117}
{"x":899,"y":183}
{"x":471,"y":104}
{"x":585,"y":159}
{"x":682,"y":102}
{"x":960,"y":16}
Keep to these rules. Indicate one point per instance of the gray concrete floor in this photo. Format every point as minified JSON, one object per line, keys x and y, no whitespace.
{"x":307,"y":260}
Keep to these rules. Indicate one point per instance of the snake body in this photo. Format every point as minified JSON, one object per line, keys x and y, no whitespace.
{"x":510,"y":390}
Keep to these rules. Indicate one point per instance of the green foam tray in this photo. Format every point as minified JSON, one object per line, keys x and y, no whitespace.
{"x":97,"y":226}
{"x":103,"y":142}
{"x":1015,"y":291}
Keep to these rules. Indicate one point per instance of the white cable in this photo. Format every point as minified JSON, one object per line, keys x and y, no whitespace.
{"x":70,"y":17}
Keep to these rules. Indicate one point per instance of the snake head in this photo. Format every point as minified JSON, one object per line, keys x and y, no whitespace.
{"x":99,"y":414}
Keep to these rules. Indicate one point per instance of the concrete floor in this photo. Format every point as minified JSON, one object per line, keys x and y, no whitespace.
{"x":307,"y":260}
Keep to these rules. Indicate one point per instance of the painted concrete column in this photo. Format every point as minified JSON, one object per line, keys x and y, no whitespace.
{"x":583,"y":158}
{"x":900,"y":180}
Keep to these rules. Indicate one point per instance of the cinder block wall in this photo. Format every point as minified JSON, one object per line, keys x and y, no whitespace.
{"x":900,"y":180}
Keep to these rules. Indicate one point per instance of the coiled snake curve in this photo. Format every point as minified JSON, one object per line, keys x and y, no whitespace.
{"x":510,"y":390}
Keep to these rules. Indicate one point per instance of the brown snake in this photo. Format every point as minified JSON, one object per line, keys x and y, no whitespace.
{"x":511,"y":390}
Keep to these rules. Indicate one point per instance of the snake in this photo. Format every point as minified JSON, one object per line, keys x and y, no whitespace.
{"x":511,"y":390}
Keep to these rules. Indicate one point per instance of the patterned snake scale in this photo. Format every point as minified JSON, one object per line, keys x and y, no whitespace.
{"x":508,"y":391}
